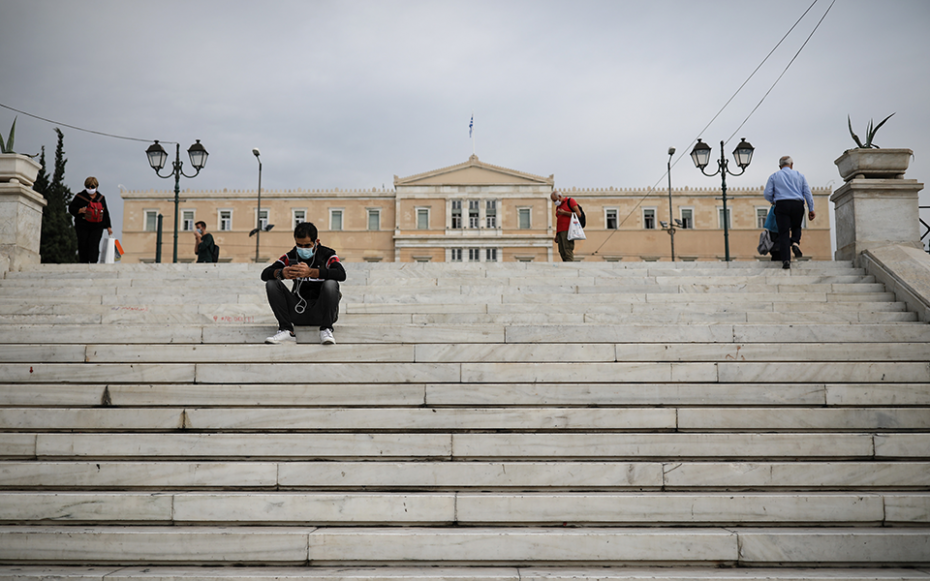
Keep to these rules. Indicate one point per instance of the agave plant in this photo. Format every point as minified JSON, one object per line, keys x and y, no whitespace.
{"x":7,"y":147}
{"x":870,"y":133}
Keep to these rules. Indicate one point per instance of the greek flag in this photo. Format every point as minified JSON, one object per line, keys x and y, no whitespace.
{"x":471,"y":124}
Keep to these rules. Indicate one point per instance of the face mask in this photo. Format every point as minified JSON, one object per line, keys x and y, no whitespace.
{"x":305,"y":253}
{"x":199,"y":231}
{"x":92,"y":191}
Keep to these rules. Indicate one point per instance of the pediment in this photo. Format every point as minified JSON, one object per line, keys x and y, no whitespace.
{"x":473,"y":173}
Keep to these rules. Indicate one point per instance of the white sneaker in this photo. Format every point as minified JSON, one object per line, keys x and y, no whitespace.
{"x":282,"y":336}
{"x":326,"y":337}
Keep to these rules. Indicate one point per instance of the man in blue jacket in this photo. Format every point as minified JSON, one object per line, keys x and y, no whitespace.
{"x":314,"y":297}
{"x":788,"y":190}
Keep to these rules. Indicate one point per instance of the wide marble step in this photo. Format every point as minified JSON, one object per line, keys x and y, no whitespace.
{"x":499,"y":546}
{"x":467,"y":372}
{"x":452,"y":394}
{"x":433,"y":353}
{"x":412,"y":573}
{"x":542,"y":475}
{"x":515,"y":419}
{"x":466,"y":509}
{"x":469,"y":445}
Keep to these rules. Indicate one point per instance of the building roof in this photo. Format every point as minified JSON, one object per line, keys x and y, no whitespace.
{"x":474,"y":172}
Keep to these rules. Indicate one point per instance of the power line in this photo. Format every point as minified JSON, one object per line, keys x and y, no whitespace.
{"x":819,"y":22}
{"x":684,"y":152}
{"x":81,"y":128}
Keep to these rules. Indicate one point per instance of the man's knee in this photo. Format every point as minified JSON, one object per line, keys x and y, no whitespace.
{"x":330,"y":291}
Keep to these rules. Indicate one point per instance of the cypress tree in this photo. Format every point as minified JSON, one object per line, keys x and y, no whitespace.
{"x":59,"y":241}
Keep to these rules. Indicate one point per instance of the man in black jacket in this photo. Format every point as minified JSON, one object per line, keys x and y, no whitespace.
{"x":314,"y":297}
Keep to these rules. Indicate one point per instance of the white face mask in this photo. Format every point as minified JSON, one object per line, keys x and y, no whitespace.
{"x":92,"y":191}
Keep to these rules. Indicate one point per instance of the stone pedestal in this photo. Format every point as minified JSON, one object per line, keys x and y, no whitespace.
{"x":21,"y":209}
{"x":871,"y":213}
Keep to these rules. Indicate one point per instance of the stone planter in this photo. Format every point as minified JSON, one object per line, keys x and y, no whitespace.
{"x":21,"y":168}
{"x":873,"y":163}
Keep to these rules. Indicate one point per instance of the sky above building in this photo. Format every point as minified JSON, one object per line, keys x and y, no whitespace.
{"x":350,"y":93}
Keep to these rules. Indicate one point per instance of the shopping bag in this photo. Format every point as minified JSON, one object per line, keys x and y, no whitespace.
{"x":575,"y":231}
{"x":770,"y":223}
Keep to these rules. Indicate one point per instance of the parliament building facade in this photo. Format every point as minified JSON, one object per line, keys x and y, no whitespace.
{"x":470,"y":212}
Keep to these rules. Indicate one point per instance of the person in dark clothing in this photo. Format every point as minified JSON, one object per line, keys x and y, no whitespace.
{"x":91,"y":217}
{"x":203,"y":243}
{"x":313,"y":299}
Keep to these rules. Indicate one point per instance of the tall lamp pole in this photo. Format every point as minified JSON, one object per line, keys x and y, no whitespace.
{"x":671,"y":218}
{"x":258,"y":225}
{"x":157,"y":159}
{"x":742,"y":155}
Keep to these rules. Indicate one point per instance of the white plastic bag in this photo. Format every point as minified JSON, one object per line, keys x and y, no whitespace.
{"x":575,"y":231}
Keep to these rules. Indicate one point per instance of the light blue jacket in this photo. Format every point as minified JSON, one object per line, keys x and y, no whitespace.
{"x":788,"y":184}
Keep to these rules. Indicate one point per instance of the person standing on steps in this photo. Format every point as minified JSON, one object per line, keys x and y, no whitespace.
{"x":564,"y":208}
{"x":91,"y":217}
{"x":204,"y":245}
{"x":788,"y":190}
{"x":313,"y":299}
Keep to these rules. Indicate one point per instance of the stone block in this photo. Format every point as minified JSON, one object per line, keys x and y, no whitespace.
{"x":77,"y":507}
{"x":202,"y":545}
{"x":299,"y":373}
{"x":456,"y":475}
{"x":835,"y":546}
{"x":522,"y":545}
{"x":314,"y":508}
{"x":869,"y":215}
{"x":125,"y":474}
{"x":797,"y":474}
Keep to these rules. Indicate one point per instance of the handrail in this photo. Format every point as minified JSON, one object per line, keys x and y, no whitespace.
{"x":925,"y":225}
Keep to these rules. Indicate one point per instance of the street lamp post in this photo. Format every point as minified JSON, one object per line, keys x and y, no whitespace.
{"x":671,"y":218}
{"x":157,"y":159}
{"x":742,"y":155}
{"x":258,"y":226}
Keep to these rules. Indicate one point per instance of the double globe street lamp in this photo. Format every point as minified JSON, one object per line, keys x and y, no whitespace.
{"x":157,"y":159}
{"x":742,"y":155}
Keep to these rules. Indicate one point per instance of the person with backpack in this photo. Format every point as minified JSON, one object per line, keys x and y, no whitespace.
{"x":564,"y":208}
{"x":204,"y":246}
{"x":91,"y":217}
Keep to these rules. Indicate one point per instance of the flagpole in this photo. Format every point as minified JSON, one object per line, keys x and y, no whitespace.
{"x":471,"y":133}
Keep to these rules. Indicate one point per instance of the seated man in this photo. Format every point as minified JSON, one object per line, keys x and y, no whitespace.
{"x":314,"y":296}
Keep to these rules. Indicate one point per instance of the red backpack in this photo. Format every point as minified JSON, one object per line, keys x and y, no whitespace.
{"x":94,"y":211}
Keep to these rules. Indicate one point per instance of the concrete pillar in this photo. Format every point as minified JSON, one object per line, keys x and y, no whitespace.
{"x":21,"y":208}
{"x":872,"y":212}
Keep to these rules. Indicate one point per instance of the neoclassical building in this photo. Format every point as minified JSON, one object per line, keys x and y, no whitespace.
{"x":470,"y":212}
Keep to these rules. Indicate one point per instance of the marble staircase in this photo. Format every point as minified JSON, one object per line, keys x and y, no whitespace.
{"x":486,"y":421}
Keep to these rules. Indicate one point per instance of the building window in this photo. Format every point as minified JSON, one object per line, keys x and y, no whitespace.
{"x":473,"y":217}
{"x":490,"y":212}
{"x":523,"y":218}
{"x":225,"y":220}
{"x":687,"y":218}
{"x":151,"y":221}
{"x":187,"y":220}
{"x":610,"y":218}
{"x":263,"y":220}
{"x":423,"y":219}
{"x":456,"y":214}
{"x":374,"y":219}
{"x":490,"y":254}
{"x":649,"y":218}
{"x":455,"y":255}
{"x":761,"y":215}
{"x":298,"y":217}
{"x":474,"y":255}
{"x":720,"y":217}
{"x":335,"y":220}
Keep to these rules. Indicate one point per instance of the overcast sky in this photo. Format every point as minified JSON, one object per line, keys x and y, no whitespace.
{"x":347,"y":94}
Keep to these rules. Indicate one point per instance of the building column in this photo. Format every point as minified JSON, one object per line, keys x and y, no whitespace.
{"x":21,"y":208}
{"x":872,"y":212}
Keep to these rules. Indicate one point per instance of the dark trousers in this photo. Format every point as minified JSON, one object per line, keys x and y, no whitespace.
{"x":566,"y":247}
{"x":789,"y":215}
{"x":89,"y":244}
{"x":323,"y":312}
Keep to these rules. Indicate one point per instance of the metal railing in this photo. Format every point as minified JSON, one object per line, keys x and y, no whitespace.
{"x":926,"y":226}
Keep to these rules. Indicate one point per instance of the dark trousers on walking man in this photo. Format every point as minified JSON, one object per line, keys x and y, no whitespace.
{"x":789,"y":215}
